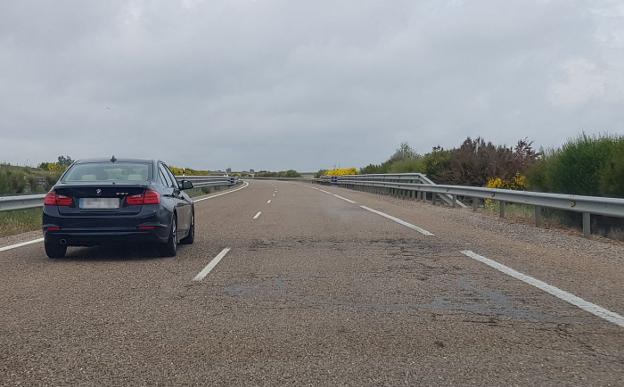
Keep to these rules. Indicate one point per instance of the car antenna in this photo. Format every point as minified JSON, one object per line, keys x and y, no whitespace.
{"x":113,"y":159}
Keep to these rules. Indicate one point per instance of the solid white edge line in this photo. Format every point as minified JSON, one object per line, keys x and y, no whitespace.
{"x":335,"y":195}
{"x":561,"y":294}
{"x":211,"y":265}
{"x":399,"y":221}
{"x":15,"y":246}
{"x":343,"y":198}
{"x":257,"y":215}
{"x":245,"y":185}
{"x":269,"y":201}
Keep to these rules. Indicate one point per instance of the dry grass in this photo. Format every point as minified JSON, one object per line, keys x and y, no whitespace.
{"x":19,"y":221}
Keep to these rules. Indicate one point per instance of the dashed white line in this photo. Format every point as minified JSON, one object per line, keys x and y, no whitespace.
{"x":257,"y":215}
{"x":211,"y":265}
{"x":245,"y":185}
{"x":273,"y":195}
{"x":399,"y":221}
{"x":561,"y":294}
{"x":15,"y":246}
{"x":343,"y":198}
{"x":269,"y":201}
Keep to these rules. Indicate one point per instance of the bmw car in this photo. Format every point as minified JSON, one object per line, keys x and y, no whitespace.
{"x":113,"y":200}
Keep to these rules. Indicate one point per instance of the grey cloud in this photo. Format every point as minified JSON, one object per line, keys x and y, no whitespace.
{"x":280,"y":84}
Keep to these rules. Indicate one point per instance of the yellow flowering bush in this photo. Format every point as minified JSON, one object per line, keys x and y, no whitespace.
{"x":341,"y":172}
{"x":517,"y":183}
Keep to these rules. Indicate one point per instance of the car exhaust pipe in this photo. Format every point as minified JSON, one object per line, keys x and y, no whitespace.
{"x":63,"y":242}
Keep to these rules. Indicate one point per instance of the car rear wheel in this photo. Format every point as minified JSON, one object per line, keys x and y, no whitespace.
{"x":54,"y":249}
{"x":170,"y":248}
{"x":190,"y":238}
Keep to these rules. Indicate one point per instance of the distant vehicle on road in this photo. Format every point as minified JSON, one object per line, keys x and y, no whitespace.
{"x":105,"y":201}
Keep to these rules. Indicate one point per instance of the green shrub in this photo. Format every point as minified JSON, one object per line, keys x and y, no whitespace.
{"x":612,"y":175}
{"x":407,"y":165}
{"x":583,"y":166}
{"x":437,"y":164}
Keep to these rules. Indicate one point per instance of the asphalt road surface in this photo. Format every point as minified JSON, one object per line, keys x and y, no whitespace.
{"x":316,"y":289}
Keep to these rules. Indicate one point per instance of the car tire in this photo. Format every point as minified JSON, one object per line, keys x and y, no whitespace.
{"x":190,"y":237}
{"x":170,"y":248}
{"x":54,"y":249}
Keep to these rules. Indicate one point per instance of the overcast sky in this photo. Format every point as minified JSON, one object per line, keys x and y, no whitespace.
{"x":277,"y":84}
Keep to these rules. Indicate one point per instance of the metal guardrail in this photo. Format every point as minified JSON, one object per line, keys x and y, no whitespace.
{"x":19,"y":202}
{"x":395,"y":178}
{"x":402,"y":185}
{"x":209,"y":181}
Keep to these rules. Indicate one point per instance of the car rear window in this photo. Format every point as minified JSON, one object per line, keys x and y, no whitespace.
{"x":119,"y":171}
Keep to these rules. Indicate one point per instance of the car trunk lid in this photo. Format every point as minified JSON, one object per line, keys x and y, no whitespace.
{"x":102,"y":198}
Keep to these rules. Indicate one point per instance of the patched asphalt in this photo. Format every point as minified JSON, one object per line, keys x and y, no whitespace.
{"x":315,"y":291}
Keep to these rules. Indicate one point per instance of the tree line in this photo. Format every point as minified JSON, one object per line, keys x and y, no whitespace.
{"x":585,"y":165}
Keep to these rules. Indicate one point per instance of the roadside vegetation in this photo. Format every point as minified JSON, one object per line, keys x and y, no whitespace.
{"x":189,"y":171}
{"x":585,"y":165}
{"x":19,"y":221}
{"x":288,"y":173}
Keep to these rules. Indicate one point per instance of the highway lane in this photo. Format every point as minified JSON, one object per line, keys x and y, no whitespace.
{"x":593,"y":269}
{"x":315,"y":290}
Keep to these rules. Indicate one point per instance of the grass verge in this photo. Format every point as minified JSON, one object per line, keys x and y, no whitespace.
{"x":19,"y":221}
{"x":611,"y":228}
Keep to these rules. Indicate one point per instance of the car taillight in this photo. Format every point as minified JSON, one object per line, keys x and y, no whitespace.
{"x":151,"y":197}
{"x":53,"y":199}
{"x":148,"y":197}
{"x":134,"y":200}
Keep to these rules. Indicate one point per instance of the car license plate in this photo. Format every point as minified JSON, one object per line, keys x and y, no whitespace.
{"x":99,"y":203}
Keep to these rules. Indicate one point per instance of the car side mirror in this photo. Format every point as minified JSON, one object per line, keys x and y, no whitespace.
{"x":185,"y":184}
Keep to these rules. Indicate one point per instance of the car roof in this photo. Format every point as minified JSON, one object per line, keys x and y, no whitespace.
{"x":104,"y":160}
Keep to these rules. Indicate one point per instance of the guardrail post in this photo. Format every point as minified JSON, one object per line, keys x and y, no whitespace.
{"x":538,"y":216}
{"x":586,"y":224}
{"x":454,"y":198}
{"x":475,"y":203}
{"x":502,"y":209}
{"x":434,"y":198}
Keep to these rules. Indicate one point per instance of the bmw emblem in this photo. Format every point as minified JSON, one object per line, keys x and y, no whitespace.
{"x":98,"y":192}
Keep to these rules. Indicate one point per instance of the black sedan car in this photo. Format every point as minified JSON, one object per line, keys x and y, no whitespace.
{"x":106,"y":201}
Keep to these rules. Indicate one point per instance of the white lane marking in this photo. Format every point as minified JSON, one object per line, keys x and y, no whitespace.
{"x":345,"y":199}
{"x":273,"y":195}
{"x":269,"y":201}
{"x":245,"y":185}
{"x":202,"y":274}
{"x":335,"y":195}
{"x":399,"y":221}
{"x":561,"y":294}
{"x":257,"y":215}
{"x":15,"y":246}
